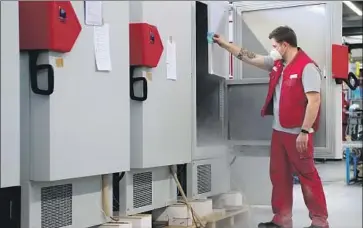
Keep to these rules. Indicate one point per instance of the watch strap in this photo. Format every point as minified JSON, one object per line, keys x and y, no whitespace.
{"x":304,"y":131}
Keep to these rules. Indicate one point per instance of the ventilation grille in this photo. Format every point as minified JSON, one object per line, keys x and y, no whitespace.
{"x":204,"y":178}
{"x":56,"y":206}
{"x":143,"y":189}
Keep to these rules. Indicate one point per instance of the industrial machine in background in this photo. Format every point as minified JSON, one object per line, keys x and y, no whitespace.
{"x":188,"y":104}
{"x":208,"y":173}
{"x":165,"y":102}
{"x":75,"y":116}
{"x":9,"y":116}
{"x":161,"y":125}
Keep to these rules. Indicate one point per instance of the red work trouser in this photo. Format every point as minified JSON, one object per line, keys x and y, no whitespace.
{"x":284,"y":161}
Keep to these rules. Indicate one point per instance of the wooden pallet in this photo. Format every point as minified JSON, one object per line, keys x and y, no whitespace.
{"x":229,"y":219}
{"x":225,"y":220}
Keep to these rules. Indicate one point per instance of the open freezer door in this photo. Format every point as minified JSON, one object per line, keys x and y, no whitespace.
{"x":218,"y":23}
{"x":211,"y":67}
{"x":208,"y":174}
{"x":249,"y":133}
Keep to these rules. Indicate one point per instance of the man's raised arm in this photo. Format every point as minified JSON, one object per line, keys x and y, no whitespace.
{"x":260,"y":61}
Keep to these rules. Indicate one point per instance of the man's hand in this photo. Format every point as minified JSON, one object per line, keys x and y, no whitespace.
{"x":219,"y":40}
{"x":302,"y":142}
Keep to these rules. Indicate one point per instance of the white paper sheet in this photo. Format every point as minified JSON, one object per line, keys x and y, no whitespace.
{"x":93,"y":13}
{"x":171,"y":60}
{"x":217,"y":12}
{"x":102,"y":47}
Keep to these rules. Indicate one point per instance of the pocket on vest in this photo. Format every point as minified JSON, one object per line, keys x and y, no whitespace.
{"x":291,"y":82}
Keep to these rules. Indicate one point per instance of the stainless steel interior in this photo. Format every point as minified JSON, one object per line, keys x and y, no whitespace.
{"x":244,"y":120}
{"x":210,"y":110}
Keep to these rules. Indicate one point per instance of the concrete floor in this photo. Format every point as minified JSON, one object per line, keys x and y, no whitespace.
{"x":344,"y":202}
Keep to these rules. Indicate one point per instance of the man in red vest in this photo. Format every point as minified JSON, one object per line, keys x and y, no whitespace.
{"x":293,"y":99}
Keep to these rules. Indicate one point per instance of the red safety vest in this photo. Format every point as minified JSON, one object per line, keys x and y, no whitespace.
{"x":293,"y":99}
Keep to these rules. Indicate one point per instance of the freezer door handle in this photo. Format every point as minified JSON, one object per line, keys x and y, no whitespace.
{"x":132,"y":84}
{"x":34,"y":69}
{"x":352,"y":81}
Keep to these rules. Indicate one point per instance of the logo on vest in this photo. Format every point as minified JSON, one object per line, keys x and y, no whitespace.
{"x":293,"y":76}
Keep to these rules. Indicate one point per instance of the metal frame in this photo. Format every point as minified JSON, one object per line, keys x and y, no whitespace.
{"x":348,"y":147}
{"x":332,"y":90}
{"x":334,"y":100}
{"x":355,"y":46}
{"x":213,"y":153}
{"x":264,"y":5}
{"x":352,"y":31}
{"x":226,"y":7}
{"x":10,"y":96}
{"x":194,"y":81}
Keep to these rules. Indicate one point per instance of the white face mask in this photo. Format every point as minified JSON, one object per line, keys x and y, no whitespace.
{"x":275,"y":54}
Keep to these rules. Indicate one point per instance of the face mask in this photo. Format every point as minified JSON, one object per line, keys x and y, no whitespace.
{"x":275,"y":54}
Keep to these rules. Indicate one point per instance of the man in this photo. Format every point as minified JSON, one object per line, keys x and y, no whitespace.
{"x":294,"y":101}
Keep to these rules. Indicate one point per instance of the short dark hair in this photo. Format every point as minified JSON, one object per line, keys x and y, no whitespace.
{"x":284,"y":34}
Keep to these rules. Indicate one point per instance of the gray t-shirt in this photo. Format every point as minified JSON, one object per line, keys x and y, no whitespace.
{"x":311,"y":79}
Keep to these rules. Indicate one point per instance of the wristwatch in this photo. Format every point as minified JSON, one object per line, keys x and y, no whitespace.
{"x":304,"y":131}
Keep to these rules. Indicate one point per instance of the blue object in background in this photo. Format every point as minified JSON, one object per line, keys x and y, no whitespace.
{"x":356,"y":94}
{"x":296,"y":179}
{"x":210,"y":37}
